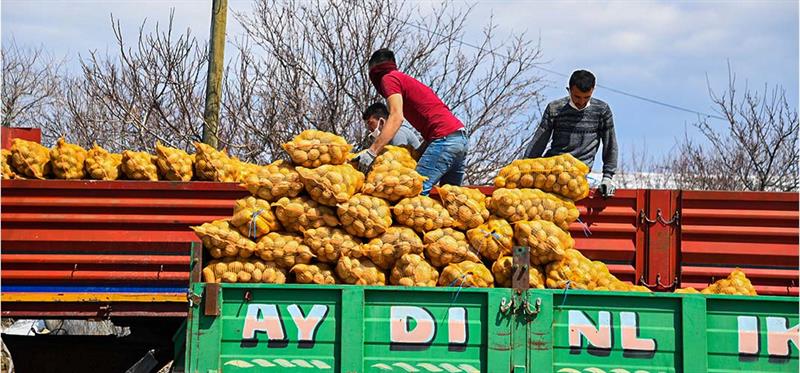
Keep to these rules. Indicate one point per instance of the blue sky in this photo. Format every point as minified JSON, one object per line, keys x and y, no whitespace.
{"x":661,"y":50}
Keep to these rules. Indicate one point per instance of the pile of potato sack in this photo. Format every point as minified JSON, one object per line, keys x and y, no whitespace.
{"x":318,"y":220}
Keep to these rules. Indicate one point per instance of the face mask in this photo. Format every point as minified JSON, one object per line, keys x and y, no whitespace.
{"x":375,"y":134}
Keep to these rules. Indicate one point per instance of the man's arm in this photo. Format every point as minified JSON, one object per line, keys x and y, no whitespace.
{"x":610,"y":152}
{"x":392,"y":124}
{"x":541,"y":137}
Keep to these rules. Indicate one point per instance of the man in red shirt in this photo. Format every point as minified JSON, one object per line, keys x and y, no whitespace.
{"x":445,"y":144}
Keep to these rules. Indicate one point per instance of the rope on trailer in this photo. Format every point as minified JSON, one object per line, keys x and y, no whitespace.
{"x":252,"y":226}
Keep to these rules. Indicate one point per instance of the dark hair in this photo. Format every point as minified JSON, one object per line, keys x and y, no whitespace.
{"x":582,"y":79}
{"x":381,"y":55}
{"x":377,"y":109}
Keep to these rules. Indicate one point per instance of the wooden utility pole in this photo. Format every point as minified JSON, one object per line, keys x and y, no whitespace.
{"x":216,"y":61}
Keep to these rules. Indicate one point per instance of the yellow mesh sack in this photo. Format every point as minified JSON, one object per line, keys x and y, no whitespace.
{"x":173,"y":164}
{"x":245,"y":170}
{"x":222,"y":240}
{"x":312,"y":148}
{"x":422,"y":214}
{"x":395,"y":155}
{"x":285,"y":249}
{"x":563,"y":174}
{"x":365,"y":216}
{"x":445,"y":246}
{"x":214,"y":165}
{"x":331,"y":184}
{"x":317,"y":273}
{"x":502,"y":270}
{"x":573,"y":269}
{"x":467,"y":206}
{"x":301,"y":213}
{"x":7,"y":172}
{"x":359,"y":271}
{"x":546,"y":241}
{"x":328,"y":244}
{"x":413,"y":270}
{"x":466,"y":274}
{"x":736,"y":283}
{"x":239,"y":270}
{"x":102,"y":165}
{"x":30,"y":159}
{"x":253,"y":217}
{"x":139,"y":165}
{"x":493,"y":238}
{"x":273,"y":181}
{"x":532,"y":204}
{"x":393,"y":181}
{"x":385,"y":249}
{"x":68,"y":160}
{"x":689,"y":290}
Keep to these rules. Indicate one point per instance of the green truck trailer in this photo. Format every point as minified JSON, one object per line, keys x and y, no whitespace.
{"x":301,"y":328}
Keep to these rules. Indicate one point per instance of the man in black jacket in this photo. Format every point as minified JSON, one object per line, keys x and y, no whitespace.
{"x":578,"y":124}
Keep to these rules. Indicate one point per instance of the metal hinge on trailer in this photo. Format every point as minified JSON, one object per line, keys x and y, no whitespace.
{"x":520,"y":283}
{"x":675,"y":221}
{"x":658,"y":284}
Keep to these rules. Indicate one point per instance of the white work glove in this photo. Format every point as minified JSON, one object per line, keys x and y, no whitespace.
{"x":364,"y":161}
{"x":607,"y":187}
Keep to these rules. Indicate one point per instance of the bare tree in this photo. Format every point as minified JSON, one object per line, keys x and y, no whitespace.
{"x":755,"y":151}
{"x":150,"y":91}
{"x":311,"y":66}
{"x":30,"y":84}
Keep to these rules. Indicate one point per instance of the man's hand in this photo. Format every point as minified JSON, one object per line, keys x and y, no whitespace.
{"x":364,"y":161}
{"x":607,"y":187}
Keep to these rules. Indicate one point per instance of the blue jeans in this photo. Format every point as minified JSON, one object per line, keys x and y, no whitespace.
{"x":443,"y":161}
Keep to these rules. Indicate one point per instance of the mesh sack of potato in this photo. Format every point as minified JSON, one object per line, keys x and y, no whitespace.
{"x":359,"y":271}
{"x":467,"y":206}
{"x":214,"y":165}
{"x":573,"y":270}
{"x":285,"y":249}
{"x":422,"y":214}
{"x":466,"y":274}
{"x":532,"y":204}
{"x":331,"y":184}
{"x":68,"y":160}
{"x":601,"y":278}
{"x":245,"y":169}
{"x":689,"y":290}
{"x":546,"y":241}
{"x":253,"y":217}
{"x":413,"y":270}
{"x":312,"y":148}
{"x":273,"y":181}
{"x":173,"y":164}
{"x":502,"y":271}
{"x":301,"y":213}
{"x":102,"y":165}
{"x":445,"y":246}
{"x":493,"y":238}
{"x":7,"y":172}
{"x":736,"y":283}
{"x":237,"y":270}
{"x":222,"y":240}
{"x":563,"y":174}
{"x":139,"y":165}
{"x":365,"y":216}
{"x":396,"y":155}
{"x":393,"y":182}
{"x":328,"y":244}
{"x":387,"y":248}
{"x":30,"y":159}
{"x":317,"y":273}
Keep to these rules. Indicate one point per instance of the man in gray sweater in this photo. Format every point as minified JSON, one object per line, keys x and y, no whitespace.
{"x":577,"y":124}
{"x":375,"y":117}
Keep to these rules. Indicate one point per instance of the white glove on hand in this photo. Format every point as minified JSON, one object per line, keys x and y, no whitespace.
{"x":607,"y":187}
{"x":365,"y":160}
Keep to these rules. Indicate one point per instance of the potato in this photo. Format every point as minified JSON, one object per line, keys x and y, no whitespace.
{"x":359,"y":272}
{"x":273,"y":181}
{"x":102,"y":165}
{"x":466,"y":206}
{"x":328,"y":244}
{"x":546,"y":241}
{"x":365,"y":216}
{"x":446,"y":246}
{"x":466,"y":274}
{"x":563,"y":174}
{"x":413,"y":270}
{"x":331,"y":184}
{"x":284,"y":249}
{"x":301,"y":213}
{"x":422,"y":214}
{"x":393,"y":181}
{"x":397,"y":241}
{"x":253,"y":217}
{"x":493,"y":238}
{"x":318,"y":273}
{"x":214,"y":165}
{"x":68,"y":160}
{"x":173,"y":164}
{"x":139,"y":165}
{"x":30,"y":159}
{"x":532,"y":204}
{"x":221,"y":240}
{"x":502,"y":271}
{"x":312,"y":148}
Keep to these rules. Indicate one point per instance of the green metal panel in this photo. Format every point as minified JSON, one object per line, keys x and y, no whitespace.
{"x":731,"y":346}
{"x":392,"y":329}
